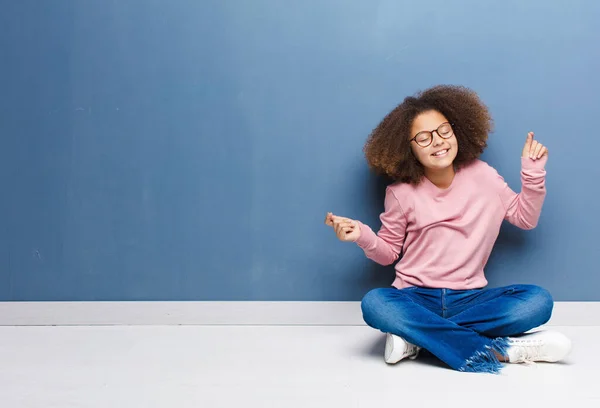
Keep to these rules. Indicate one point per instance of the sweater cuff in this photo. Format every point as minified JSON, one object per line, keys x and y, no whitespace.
{"x":530,"y":164}
{"x":367,"y":236}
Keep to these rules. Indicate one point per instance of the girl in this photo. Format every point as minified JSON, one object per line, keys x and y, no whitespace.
{"x":443,"y":214}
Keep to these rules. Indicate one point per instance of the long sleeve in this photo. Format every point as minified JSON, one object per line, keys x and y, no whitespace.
{"x":385,"y":246}
{"x":523,"y":210}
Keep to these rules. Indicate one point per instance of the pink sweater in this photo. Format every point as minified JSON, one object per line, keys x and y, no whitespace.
{"x":446,"y":236}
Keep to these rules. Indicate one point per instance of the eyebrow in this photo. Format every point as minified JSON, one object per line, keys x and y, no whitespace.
{"x":427,"y":130}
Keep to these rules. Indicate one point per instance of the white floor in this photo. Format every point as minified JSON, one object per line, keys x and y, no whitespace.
{"x":265,"y":366}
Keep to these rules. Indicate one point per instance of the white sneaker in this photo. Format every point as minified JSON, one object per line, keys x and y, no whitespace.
{"x":396,"y":349}
{"x":547,"y":346}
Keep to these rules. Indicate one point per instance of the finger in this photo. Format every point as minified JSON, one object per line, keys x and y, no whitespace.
{"x":537,"y":151}
{"x":339,"y":228}
{"x":337,"y":221}
{"x":543,"y":152}
{"x":532,"y":148}
{"x":534,"y":145}
{"x":528,"y":142}
{"x":342,"y":221}
{"x":342,"y":227}
{"x":343,"y":231}
{"x":348,"y":229}
{"x":335,"y":217}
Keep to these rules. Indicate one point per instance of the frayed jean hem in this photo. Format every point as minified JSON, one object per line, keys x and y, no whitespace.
{"x":485,"y":361}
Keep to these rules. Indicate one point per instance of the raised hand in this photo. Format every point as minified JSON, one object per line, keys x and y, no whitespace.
{"x":346,"y":229}
{"x":534,"y":149}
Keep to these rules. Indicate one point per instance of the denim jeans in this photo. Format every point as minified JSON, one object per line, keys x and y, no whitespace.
{"x":463,"y":328}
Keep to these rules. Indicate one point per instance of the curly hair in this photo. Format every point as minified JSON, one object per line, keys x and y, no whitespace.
{"x":388,"y":149}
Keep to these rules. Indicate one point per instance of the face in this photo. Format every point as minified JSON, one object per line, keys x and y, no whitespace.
{"x":441,"y":152}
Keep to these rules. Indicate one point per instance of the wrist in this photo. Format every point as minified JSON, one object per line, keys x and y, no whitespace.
{"x":363,"y":239}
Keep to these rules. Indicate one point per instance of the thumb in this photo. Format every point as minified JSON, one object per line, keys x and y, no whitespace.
{"x":528,"y":142}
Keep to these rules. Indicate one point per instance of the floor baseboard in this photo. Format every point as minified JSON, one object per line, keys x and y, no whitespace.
{"x":227,"y":313}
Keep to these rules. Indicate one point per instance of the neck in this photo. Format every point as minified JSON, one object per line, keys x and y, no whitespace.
{"x":441,"y":178}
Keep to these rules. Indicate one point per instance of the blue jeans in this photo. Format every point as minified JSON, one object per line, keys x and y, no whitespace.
{"x":463,"y":328}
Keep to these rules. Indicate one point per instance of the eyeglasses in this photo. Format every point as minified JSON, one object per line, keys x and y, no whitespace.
{"x":425,"y":137}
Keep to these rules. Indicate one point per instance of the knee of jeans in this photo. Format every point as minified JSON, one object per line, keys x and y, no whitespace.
{"x":540,"y":304}
{"x":378,"y":310}
{"x":371,"y":303}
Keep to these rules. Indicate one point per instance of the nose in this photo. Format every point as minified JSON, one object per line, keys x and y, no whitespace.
{"x":437,"y":139}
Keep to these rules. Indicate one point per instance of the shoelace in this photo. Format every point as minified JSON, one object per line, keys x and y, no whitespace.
{"x":412,"y":351}
{"x":528,"y":351}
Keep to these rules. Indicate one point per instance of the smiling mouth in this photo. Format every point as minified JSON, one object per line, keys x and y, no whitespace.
{"x":441,"y":153}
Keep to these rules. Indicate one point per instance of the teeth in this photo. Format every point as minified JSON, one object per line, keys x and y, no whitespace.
{"x":440,"y":152}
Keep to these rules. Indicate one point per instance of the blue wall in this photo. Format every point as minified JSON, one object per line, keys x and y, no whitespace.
{"x":189,"y":150}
